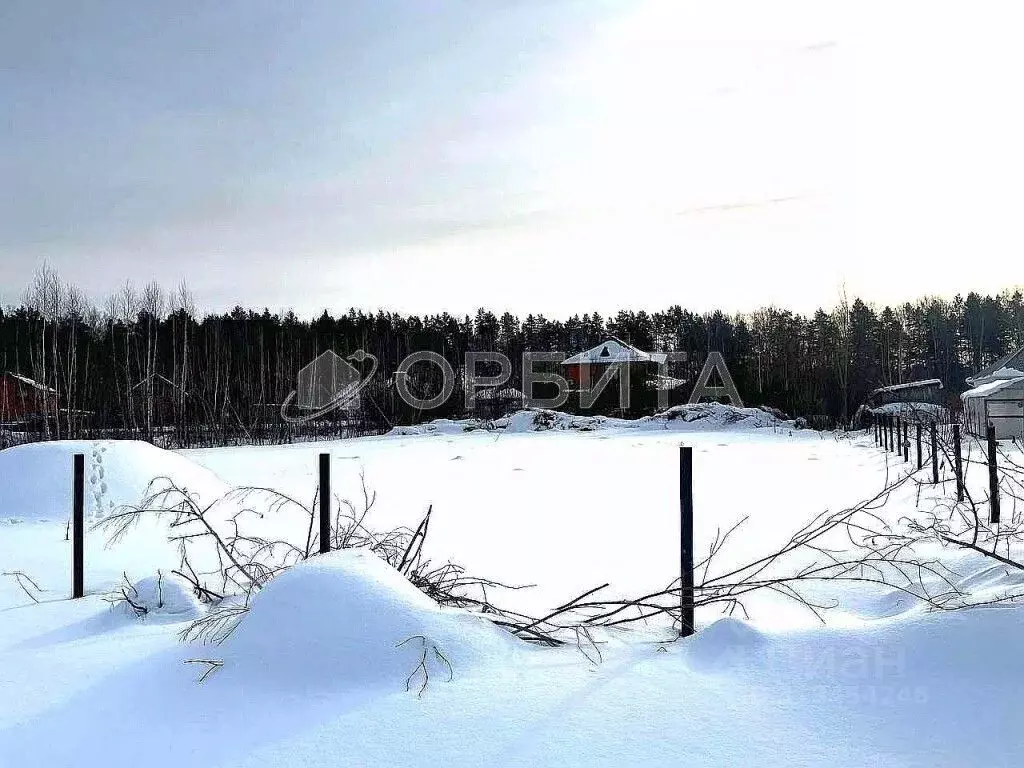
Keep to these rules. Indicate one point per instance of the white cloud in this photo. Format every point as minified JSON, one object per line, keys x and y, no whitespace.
{"x":713,"y":154}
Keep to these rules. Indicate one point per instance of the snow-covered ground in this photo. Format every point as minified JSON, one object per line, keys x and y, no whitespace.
{"x":316,"y":673}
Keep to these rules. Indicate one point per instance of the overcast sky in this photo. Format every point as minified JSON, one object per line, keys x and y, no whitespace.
{"x":536,"y":156}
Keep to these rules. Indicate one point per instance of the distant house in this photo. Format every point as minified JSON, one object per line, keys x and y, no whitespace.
{"x":997,"y":398}
{"x":925,"y":391}
{"x":165,"y":394}
{"x":913,"y":401}
{"x":586,"y":368}
{"x":21,"y":398}
{"x":1009,"y":366}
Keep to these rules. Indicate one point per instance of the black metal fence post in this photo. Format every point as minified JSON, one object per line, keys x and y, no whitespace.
{"x":325,"y":503}
{"x":921,"y":458}
{"x":993,"y":476}
{"x":935,"y":456}
{"x":899,"y":427}
{"x":958,"y":463}
{"x":906,"y":442}
{"x":78,"y":528}
{"x":686,"y":608}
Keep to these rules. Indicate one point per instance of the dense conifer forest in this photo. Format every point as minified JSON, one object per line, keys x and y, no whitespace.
{"x":145,"y":363}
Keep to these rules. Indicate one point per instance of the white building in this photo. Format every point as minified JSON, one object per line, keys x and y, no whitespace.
{"x":997,"y":398}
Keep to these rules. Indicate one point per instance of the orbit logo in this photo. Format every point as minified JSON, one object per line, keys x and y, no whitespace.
{"x":329,"y":383}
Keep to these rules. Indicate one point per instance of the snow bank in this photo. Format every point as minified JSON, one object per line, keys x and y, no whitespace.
{"x":723,"y":644}
{"x":441,"y":427}
{"x":699,"y":416}
{"x":715,"y":416}
{"x":37,"y":478}
{"x":914,"y":412}
{"x":348,"y":619}
{"x":162,"y":595}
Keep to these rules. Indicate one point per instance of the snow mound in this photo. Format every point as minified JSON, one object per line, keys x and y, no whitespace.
{"x":699,"y":416}
{"x":349,"y":620}
{"x":726,"y":644}
{"x":37,"y":477}
{"x":163,"y":595}
{"x":543,"y":420}
{"x":924,"y":413}
{"x":716,"y":415}
{"x":441,"y":427}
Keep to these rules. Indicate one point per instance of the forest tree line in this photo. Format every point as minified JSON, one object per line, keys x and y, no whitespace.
{"x":147,"y":364}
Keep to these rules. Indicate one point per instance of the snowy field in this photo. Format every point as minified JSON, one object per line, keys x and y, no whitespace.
{"x":316,"y":673}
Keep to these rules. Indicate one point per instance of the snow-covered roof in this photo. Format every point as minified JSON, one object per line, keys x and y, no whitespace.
{"x":999,"y":374}
{"x":991,"y":387}
{"x":30,"y":383}
{"x":909,"y":385}
{"x":1007,"y":367}
{"x":615,"y":351}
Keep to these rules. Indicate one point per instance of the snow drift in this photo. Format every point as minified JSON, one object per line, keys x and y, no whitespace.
{"x":699,"y":416}
{"x":37,"y":478}
{"x":348,"y":619}
{"x":924,"y":413}
{"x":164,"y":595}
{"x":721,"y":645}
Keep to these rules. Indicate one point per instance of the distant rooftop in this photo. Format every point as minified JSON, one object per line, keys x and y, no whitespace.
{"x":615,"y":350}
{"x":1007,"y":367}
{"x":909,"y":385}
{"x":991,"y":387}
{"x":30,"y":383}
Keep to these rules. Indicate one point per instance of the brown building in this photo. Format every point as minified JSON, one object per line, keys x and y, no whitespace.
{"x":22,"y":398}
{"x":586,"y":368}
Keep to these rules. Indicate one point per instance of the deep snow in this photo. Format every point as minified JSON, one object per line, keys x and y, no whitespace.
{"x":37,"y":477}
{"x":316,"y":673}
{"x":372,"y":627}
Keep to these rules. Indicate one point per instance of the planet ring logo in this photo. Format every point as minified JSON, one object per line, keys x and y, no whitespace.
{"x":329,"y":383}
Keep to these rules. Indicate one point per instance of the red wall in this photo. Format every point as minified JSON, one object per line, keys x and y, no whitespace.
{"x":584,"y":374}
{"x":17,"y":400}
